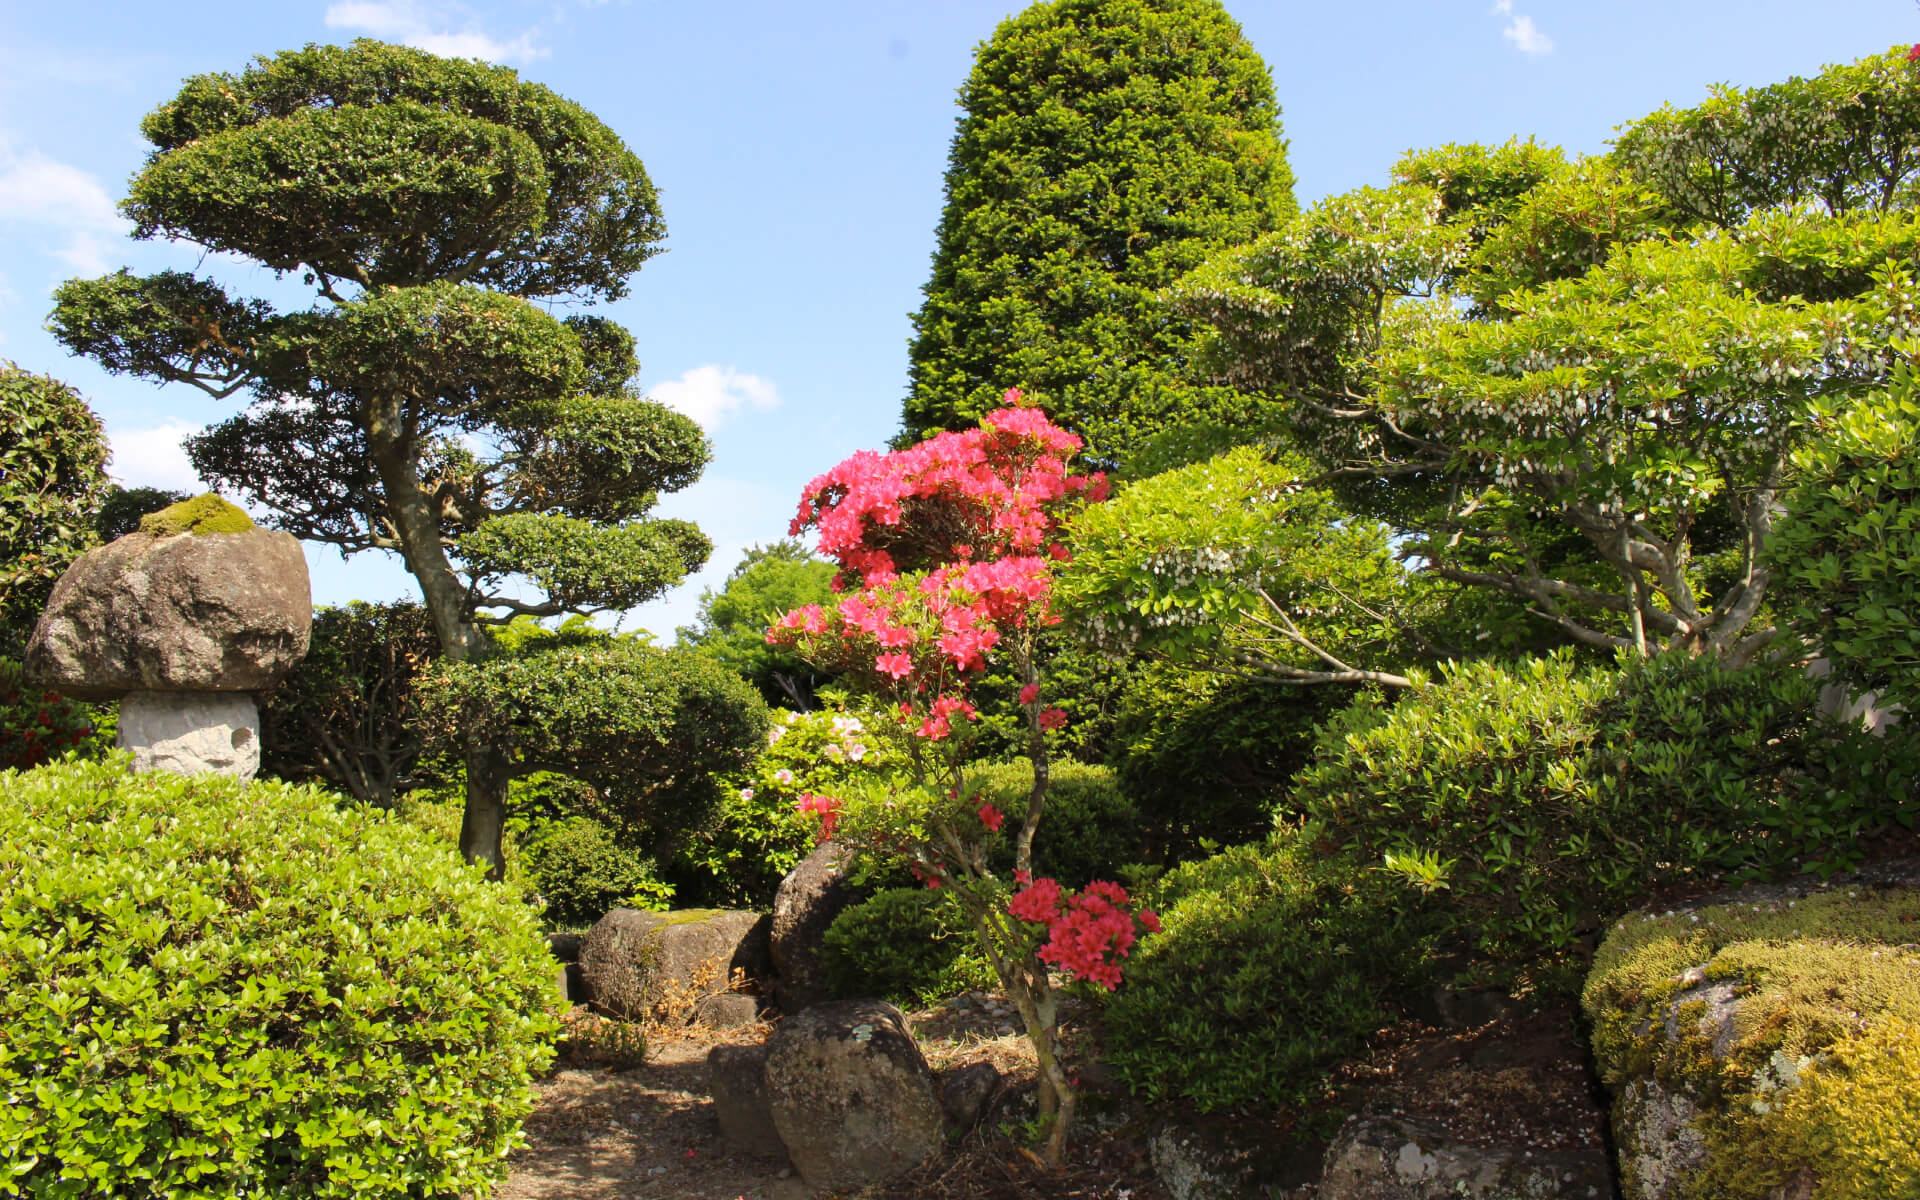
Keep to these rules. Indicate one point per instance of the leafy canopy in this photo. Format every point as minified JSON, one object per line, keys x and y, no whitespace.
{"x":1105,"y":149}
{"x":1579,"y":384}
{"x":53,"y":460}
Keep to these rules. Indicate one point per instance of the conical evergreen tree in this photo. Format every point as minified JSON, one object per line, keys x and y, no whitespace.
{"x":1107,"y":146}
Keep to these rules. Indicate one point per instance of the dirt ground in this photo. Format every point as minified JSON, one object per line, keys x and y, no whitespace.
{"x":648,"y":1130}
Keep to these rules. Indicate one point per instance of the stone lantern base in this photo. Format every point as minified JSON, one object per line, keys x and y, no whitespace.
{"x":192,"y":733}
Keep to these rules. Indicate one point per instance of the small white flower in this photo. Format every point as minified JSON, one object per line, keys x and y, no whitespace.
{"x":746,"y":793}
{"x":783,"y":776}
{"x":857,"y":751}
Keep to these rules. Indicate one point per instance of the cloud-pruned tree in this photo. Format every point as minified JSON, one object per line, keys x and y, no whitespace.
{"x":426,"y":402}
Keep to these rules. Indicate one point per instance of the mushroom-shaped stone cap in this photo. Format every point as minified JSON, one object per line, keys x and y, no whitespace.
{"x":197,"y":601}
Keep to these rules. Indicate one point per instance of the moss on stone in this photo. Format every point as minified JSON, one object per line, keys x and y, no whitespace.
{"x":1816,"y":1075}
{"x":198,"y":516}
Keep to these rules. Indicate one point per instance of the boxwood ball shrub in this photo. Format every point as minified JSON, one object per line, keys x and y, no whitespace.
{"x":1273,"y":963}
{"x":1090,"y":828}
{"x":214,"y":988}
{"x":909,"y":945}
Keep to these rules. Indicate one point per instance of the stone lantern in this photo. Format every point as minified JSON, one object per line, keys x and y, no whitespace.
{"x":184,"y":621}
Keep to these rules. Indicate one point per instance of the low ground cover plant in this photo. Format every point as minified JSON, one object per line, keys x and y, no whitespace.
{"x":217,"y":988}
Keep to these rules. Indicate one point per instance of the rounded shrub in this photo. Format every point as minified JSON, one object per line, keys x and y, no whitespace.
{"x":1273,"y":963}
{"x":903,"y":944}
{"x":582,"y":870}
{"x":1089,"y":830}
{"x":1543,"y":799}
{"x":213,"y":988}
{"x":38,"y":725}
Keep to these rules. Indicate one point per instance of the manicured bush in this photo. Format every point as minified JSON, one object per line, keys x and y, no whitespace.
{"x":53,"y":459}
{"x":1090,"y":828}
{"x":212,"y":988}
{"x":909,"y":945}
{"x":1545,"y":799}
{"x":582,"y":870}
{"x":1207,"y":757}
{"x":1273,"y":963}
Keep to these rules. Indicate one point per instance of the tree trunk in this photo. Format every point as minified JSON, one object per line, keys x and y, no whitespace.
{"x":391,"y":444}
{"x":486,"y":812}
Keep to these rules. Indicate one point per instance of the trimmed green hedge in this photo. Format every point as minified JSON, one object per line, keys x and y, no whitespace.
{"x":903,"y":944}
{"x":210,"y":988}
{"x":1543,"y":799}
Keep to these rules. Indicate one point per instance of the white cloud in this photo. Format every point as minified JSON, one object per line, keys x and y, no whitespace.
{"x":710,"y":394}
{"x":426,"y":24}
{"x":54,"y":197}
{"x":1526,"y":36}
{"x":154,"y":457}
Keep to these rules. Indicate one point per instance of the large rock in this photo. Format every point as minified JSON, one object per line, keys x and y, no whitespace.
{"x":737,"y":1080}
{"x":659,"y":966}
{"x":810,"y":897}
{"x":192,"y":733}
{"x":851,"y":1095}
{"x":220,"y":612}
{"x":1385,"y":1157}
{"x":1709,"y":1018}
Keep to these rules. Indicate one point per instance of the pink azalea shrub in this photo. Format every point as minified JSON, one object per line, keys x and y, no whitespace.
{"x":946,"y":553}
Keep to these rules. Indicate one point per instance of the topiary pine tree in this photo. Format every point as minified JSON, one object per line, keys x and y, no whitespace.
{"x":1107,"y":147}
{"x":423,"y":404}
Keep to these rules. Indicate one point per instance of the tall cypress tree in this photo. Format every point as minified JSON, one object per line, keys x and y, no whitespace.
{"x":1106,"y":148}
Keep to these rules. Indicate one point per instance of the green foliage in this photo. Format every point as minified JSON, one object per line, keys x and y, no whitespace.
{"x":767,"y":582}
{"x":120,"y":511}
{"x":1090,"y":829}
{"x":1107,"y":146}
{"x":1818,"y":1074}
{"x":908,"y":945}
{"x":428,"y":401}
{"x":1548,"y":798}
{"x":53,"y":459}
{"x":1848,"y":548}
{"x":1207,"y":758}
{"x":1579,"y":384}
{"x":648,"y":728}
{"x":38,"y":725}
{"x":346,"y":713}
{"x":1274,"y":962}
{"x":756,"y":833}
{"x":1238,"y":563}
{"x":278,"y":996}
{"x":199,"y":516}
{"x":582,"y":870}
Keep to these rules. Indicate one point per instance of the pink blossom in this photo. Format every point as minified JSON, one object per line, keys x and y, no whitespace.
{"x":1053,"y":718}
{"x":897,"y":665}
{"x":1029,"y":693}
{"x":991,"y":817}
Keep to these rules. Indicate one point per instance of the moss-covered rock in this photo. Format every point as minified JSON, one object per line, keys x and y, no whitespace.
{"x":199,"y":516}
{"x":1765,"y":1046}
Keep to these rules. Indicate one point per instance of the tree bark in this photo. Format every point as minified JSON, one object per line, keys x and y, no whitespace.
{"x":391,"y":444}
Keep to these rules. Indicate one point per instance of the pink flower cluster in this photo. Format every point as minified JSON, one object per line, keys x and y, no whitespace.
{"x":994,"y":488}
{"x":1088,"y":933}
{"x":826,"y":806}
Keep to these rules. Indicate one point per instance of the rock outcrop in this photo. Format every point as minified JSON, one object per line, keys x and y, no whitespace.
{"x":1763,"y":1042}
{"x":810,"y":897}
{"x":1386,"y":1157}
{"x":851,"y":1095}
{"x":737,"y":1080}
{"x":651,"y":966}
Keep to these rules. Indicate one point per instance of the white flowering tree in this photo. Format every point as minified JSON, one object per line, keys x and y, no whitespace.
{"x":1577,"y":385}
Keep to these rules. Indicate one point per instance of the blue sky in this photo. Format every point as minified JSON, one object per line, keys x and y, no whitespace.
{"x":799,"y":150}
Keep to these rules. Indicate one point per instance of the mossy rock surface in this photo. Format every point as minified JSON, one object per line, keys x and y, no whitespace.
{"x":1766,"y":1044}
{"x":199,"y":516}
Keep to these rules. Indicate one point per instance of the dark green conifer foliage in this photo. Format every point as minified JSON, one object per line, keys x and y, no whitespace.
{"x":1107,"y":146}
